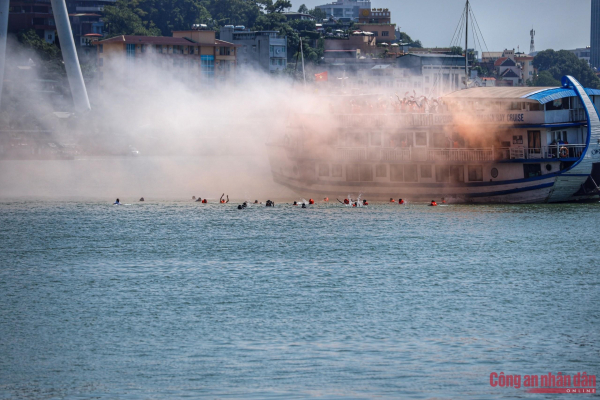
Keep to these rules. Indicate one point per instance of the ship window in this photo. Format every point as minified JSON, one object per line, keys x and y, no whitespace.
{"x":396,"y":173}
{"x":323,"y":169}
{"x":336,"y":170}
{"x":442,"y":173}
{"x":457,"y":173}
{"x":532,"y":170}
{"x":420,"y":138}
{"x":410,"y":173}
{"x":381,"y":171}
{"x":352,"y":173}
{"x":535,"y":107}
{"x":426,"y":171}
{"x":475,"y":173}
{"x":375,"y":138}
{"x":366,"y":172}
{"x":494,"y":173}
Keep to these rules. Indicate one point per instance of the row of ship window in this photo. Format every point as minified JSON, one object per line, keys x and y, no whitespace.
{"x":402,"y":172}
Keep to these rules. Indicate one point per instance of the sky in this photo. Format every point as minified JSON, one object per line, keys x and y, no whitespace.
{"x":559,"y":24}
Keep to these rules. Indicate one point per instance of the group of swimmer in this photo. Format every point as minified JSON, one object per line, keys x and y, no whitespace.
{"x":270,"y":203}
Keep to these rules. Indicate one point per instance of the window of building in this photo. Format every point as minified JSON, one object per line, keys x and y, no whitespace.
{"x":420,"y":138}
{"x":191,"y":50}
{"x":336,"y":170}
{"x":130,"y":50}
{"x":224,"y":51}
{"x":323,"y":169}
{"x":475,"y":173}
{"x":158,"y":48}
{"x":532,"y":170}
{"x":375,"y":138}
{"x":385,"y":33}
{"x":207,"y":67}
{"x":442,"y":173}
{"x":397,"y":173}
{"x":366,"y":172}
{"x":426,"y":171}
{"x":457,"y":173}
{"x":352,"y":173}
{"x":381,"y":171}
{"x":410,"y":173}
{"x":375,"y":33}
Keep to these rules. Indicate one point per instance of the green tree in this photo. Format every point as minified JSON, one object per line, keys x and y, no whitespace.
{"x":318,"y":14}
{"x":563,"y":62}
{"x":544,"y":78}
{"x":456,"y":50}
{"x":125,"y":18}
{"x":50,"y":57}
{"x":303,"y":9}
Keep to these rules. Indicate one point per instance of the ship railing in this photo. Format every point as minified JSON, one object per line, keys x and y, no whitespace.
{"x":577,"y":115}
{"x":373,"y":154}
{"x":461,"y":154}
{"x":551,"y":151}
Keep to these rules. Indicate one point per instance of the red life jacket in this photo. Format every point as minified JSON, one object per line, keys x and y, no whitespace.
{"x":311,"y":201}
{"x":204,"y":201}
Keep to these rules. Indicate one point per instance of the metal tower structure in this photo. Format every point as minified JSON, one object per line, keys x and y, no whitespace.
{"x":532,"y":44}
{"x":81,"y":101}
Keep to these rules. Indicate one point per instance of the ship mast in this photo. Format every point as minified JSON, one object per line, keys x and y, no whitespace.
{"x":467,"y":45}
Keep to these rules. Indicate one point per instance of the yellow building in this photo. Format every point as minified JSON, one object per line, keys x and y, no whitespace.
{"x":195,"y":56}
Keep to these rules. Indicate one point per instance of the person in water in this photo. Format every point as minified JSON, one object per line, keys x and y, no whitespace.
{"x":295,"y":203}
{"x":141,"y":199}
{"x":326,"y":199}
{"x":311,"y":201}
{"x":392,"y":200}
{"x":433,"y":203}
{"x":365,"y":203}
{"x":204,"y":201}
{"x":270,"y":203}
{"x":199,"y":199}
{"x":303,"y":205}
{"x":223,"y":201}
{"x":193,"y":197}
{"x":255,"y":201}
{"x":117,"y":202}
{"x":400,"y":201}
{"x":443,"y":201}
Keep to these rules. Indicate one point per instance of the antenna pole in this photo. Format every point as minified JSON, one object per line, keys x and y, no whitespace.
{"x":467,"y":45}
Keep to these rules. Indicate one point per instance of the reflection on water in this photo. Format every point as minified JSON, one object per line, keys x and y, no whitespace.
{"x":174,"y":299}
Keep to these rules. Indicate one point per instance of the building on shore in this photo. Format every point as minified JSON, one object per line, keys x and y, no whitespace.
{"x":595,"y":35}
{"x":260,"y":50}
{"x":378,"y":22}
{"x":583,"y":53}
{"x":345,"y":8}
{"x":194,"y":56}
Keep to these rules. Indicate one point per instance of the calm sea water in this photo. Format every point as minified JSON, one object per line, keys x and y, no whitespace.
{"x":177,"y":299}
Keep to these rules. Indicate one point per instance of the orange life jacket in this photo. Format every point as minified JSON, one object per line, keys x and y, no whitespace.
{"x":400,"y":201}
{"x":311,"y":201}
{"x":204,"y":201}
{"x":433,"y":203}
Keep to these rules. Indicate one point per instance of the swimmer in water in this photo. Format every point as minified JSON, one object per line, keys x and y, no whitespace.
{"x":443,"y":201}
{"x":204,"y":201}
{"x":141,"y":199}
{"x":193,"y":197}
{"x":392,"y":200}
{"x":295,"y":203}
{"x":255,"y":201}
{"x":199,"y":200}
{"x":117,"y":202}
{"x":303,"y":205}
{"x":433,"y":203}
{"x":365,"y":203}
{"x":223,"y":201}
{"x":400,"y":201}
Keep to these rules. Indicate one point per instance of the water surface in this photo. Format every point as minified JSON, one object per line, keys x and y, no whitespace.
{"x":178,"y":299}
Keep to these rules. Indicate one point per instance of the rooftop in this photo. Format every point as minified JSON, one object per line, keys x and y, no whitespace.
{"x":524,"y":94}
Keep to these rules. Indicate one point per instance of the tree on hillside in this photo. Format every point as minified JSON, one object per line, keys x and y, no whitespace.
{"x":50,"y":57}
{"x":319,"y":14}
{"x":405,"y":38}
{"x":121,"y":19}
{"x":303,"y":9}
{"x":275,"y":7}
{"x":563,"y":62}
{"x":544,"y":78}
